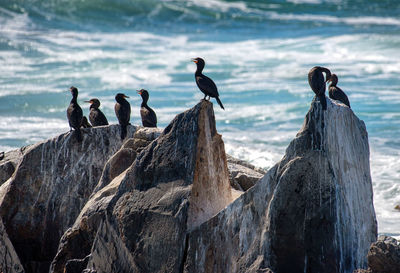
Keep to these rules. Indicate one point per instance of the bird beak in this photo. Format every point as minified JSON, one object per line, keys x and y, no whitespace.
{"x":126,"y":97}
{"x":139,"y":92}
{"x":194,"y":60}
{"x":88,"y":101}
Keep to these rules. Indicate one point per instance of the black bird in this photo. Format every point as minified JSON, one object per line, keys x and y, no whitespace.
{"x":123,"y":111}
{"x":96,"y":116}
{"x":317,"y":82}
{"x":336,"y":93}
{"x":205,"y":84}
{"x":149,"y":117}
{"x":74,"y":113}
{"x":85,"y":123}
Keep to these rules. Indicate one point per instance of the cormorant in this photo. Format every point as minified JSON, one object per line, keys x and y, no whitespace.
{"x":85,"y":123}
{"x":123,"y":112}
{"x":149,"y":118}
{"x":335,"y":92}
{"x":317,"y":82}
{"x":96,"y":116}
{"x":74,"y":113}
{"x":205,"y":84}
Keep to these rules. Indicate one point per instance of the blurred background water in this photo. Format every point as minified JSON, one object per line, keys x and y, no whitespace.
{"x":257,"y":52}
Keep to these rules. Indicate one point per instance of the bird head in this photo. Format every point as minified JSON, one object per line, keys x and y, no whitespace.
{"x":120,"y":96}
{"x":144,"y":94}
{"x":334,"y":79}
{"x":94,"y":102}
{"x":199,"y":62}
{"x":74,"y":91}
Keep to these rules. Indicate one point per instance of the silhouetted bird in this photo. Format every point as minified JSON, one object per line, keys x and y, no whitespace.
{"x":336,"y":93}
{"x":74,"y":113}
{"x":96,"y":116}
{"x":205,"y":84}
{"x":149,"y":117}
{"x":318,"y":83}
{"x":123,"y":111}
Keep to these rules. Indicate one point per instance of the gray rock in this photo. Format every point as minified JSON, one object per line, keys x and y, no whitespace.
{"x":51,"y":184}
{"x":9,"y":163}
{"x":9,"y":261}
{"x":243,"y":175}
{"x":384,"y":255}
{"x":311,"y":212}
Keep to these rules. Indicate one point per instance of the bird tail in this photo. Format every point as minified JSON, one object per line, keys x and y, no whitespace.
{"x":78,"y":134}
{"x":123,"y":131}
{"x":220,"y":103}
{"x":322,"y":99}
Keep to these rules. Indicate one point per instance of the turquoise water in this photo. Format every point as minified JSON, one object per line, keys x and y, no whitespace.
{"x":257,"y":52}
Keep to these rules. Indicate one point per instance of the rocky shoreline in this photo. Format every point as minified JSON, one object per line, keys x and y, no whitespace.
{"x":172,"y":201}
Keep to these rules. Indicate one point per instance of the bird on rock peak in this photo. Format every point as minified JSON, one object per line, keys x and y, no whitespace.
{"x":149,"y":117}
{"x":335,"y":92}
{"x":318,"y":83}
{"x":205,"y":84}
{"x":75,"y":114}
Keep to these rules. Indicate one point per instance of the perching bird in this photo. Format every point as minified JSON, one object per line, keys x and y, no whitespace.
{"x":336,"y":93}
{"x":317,"y":82}
{"x":149,"y":118}
{"x":96,"y":116}
{"x":74,"y":113}
{"x":123,"y":112}
{"x":205,"y":84}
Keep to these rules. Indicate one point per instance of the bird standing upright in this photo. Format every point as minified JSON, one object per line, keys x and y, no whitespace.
{"x":317,"y":82}
{"x":149,"y":117}
{"x":123,"y":112}
{"x":205,"y":84}
{"x":74,"y":113}
{"x":336,"y":93}
{"x":96,"y":116}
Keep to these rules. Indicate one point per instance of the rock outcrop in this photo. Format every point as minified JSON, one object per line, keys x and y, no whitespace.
{"x":52,"y":182}
{"x":311,"y":212}
{"x":138,"y":221}
{"x":163,"y":202}
{"x":384,"y":256}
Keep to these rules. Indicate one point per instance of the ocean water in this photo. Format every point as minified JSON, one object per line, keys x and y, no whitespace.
{"x":257,"y":52}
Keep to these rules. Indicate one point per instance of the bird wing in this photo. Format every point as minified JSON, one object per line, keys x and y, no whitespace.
{"x":207,"y":86}
{"x":149,"y":118}
{"x":123,"y":113}
{"x":337,"y":94}
{"x":316,"y":81}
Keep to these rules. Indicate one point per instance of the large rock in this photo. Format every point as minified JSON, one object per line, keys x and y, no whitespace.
{"x":9,"y":163}
{"x":52,"y":182}
{"x":312,"y":212}
{"x":9,"y":258}
{"x":138,"y":220}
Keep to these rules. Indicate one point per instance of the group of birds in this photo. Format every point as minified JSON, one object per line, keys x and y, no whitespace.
{"x":97,"y":118}
{"x":205,"y":84}
{"x":318,"y":85}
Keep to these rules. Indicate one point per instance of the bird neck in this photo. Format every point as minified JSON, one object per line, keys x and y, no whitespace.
{"x":74,"y":99}
{"x":199,"y":69}
{"x":93,"y":107}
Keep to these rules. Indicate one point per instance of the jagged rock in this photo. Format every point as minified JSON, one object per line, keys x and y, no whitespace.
{"x":77,"y":241}
{"x":9,"y":261}
{"x":53,"y":181}
{"x":384,"y":255}
{"x":243,"y":175}
{"x":311,"y":212}
{"x":140,"y":219}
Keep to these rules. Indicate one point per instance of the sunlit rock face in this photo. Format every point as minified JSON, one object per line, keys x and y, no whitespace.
{"x":137,"y":221}
{"x":312,"y":212}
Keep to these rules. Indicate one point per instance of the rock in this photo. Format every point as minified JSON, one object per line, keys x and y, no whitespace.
{"x":9,"y":163}
{"x":397,"y":207}
{"x":243,"y":175}
{"x":138,"y":222}
{"x":9,"y":261}
{"x":384,"y":255}
{"x":53,"y":181}
{"x":311,"y":212}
